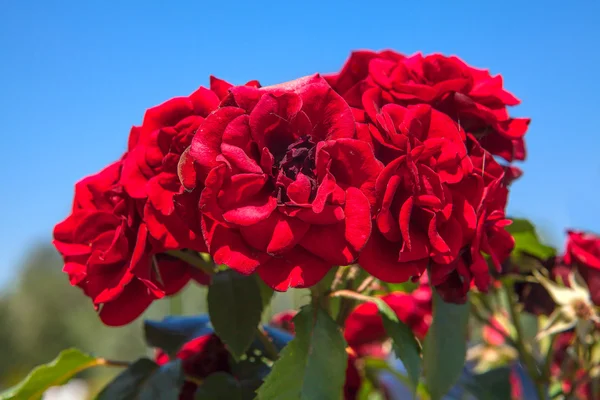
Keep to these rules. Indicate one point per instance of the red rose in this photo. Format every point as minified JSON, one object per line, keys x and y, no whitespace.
{"x":583,"y":252}
{"x":108,"y":253}
{"x":353,"y":380}
{"x":289,"y":190}
{"x":284,"y":321}
{"x":364,"y":329}
{"x":200,"y":357}
{"x":151,"y":166}
{"x":470,"y":96}
{"x":440,"y":202}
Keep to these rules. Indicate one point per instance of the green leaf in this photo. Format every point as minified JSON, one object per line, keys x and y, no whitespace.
{"x":235,"y":307}
{"x":165,"y":383}
{"x":374,"y":366}
{"x":405,"y":345}
{"x":266,"y":292}
{"x":445,"y":346}
{"x":67,"y":364}
{"x":313,"y":364}
{"x":527,"y":240}
{"x":219,"y":386}
{"x":491,"y":385}
{"x":126,"y":385}
{"x":145,"y":380}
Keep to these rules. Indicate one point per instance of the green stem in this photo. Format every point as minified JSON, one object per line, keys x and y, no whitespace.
{"x":113,"y":363}
{"x":346,"y":303}
{"x":339,"y":276}
{"x":525,"y":354}
{"x":349,"y":294}
{"x":193,"y":259}
{"x":270,"y":348}
{"x":548,"y":359}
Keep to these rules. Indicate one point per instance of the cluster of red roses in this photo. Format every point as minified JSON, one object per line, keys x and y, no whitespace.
{"x":363,"y":331}
{"x":390,"y":163}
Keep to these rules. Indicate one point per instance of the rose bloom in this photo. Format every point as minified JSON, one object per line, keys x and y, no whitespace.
{"x":108,"y":253}
{"x":440,"y":202}
{"x":200,"y":357}
{"x":288,"y":189}
{"x":470,"y":96}
{"x":151,"y":166}
{"x":583,"y":252}
{"x":364,"y":331}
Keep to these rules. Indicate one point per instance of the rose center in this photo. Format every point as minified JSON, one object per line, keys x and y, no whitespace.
{"x":582,"y":310}
{"x":299,"y":157}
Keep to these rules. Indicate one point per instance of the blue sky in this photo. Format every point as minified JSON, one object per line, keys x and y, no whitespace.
{"x":75,"y":75}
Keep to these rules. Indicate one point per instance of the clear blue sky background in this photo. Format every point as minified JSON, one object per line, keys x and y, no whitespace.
{"x":75,"y":75}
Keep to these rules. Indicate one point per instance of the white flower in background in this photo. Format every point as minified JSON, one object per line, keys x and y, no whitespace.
{"x":76,"y":389}
{"x":574,"y":307}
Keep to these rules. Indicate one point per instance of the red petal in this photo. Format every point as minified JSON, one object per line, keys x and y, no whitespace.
{"x":437,"y":242}
{"x":299,"y":190}
{"x":251,"y":212}
{"x":287,"y":233}
{"x":269,"y":121}
{"x":132,"y":178}
{"x":452,"y":234}
{"x":329,"y":243}
{"x":330,"y":114}
{"x":275,"y":234}
{"x":128,"y":306}
{"x":220,"y":87}
{"x":241,"y":188}
{"x":186,"y":170}
{"x":326,"y":187}
{"x":363,"y":326}
{"x":204,"y":101}
{"x":227,"y":247}
{"x":380,"y":259}
{"x":404,"y":220}
{"x":206,"y":144}
{"x":296,"y":269}
{"x":358,"y":218}
{"x":330,"y":215}
{"x":388,"y":226}
{"x":352,"y":163}
{"x":418,"y":251}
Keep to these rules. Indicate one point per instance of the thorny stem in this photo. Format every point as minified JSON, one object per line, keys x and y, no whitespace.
{"x":339,"y":275}
{"x":346,"y":303}
{"x":270,"y":348}
{"x":193,"y":259}
{"x":349,"y":294}
{"x":365,"y":284}
{"x":524,"y":353}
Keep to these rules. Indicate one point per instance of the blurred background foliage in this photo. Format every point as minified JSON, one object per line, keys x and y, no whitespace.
{"x":42,"y":314}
